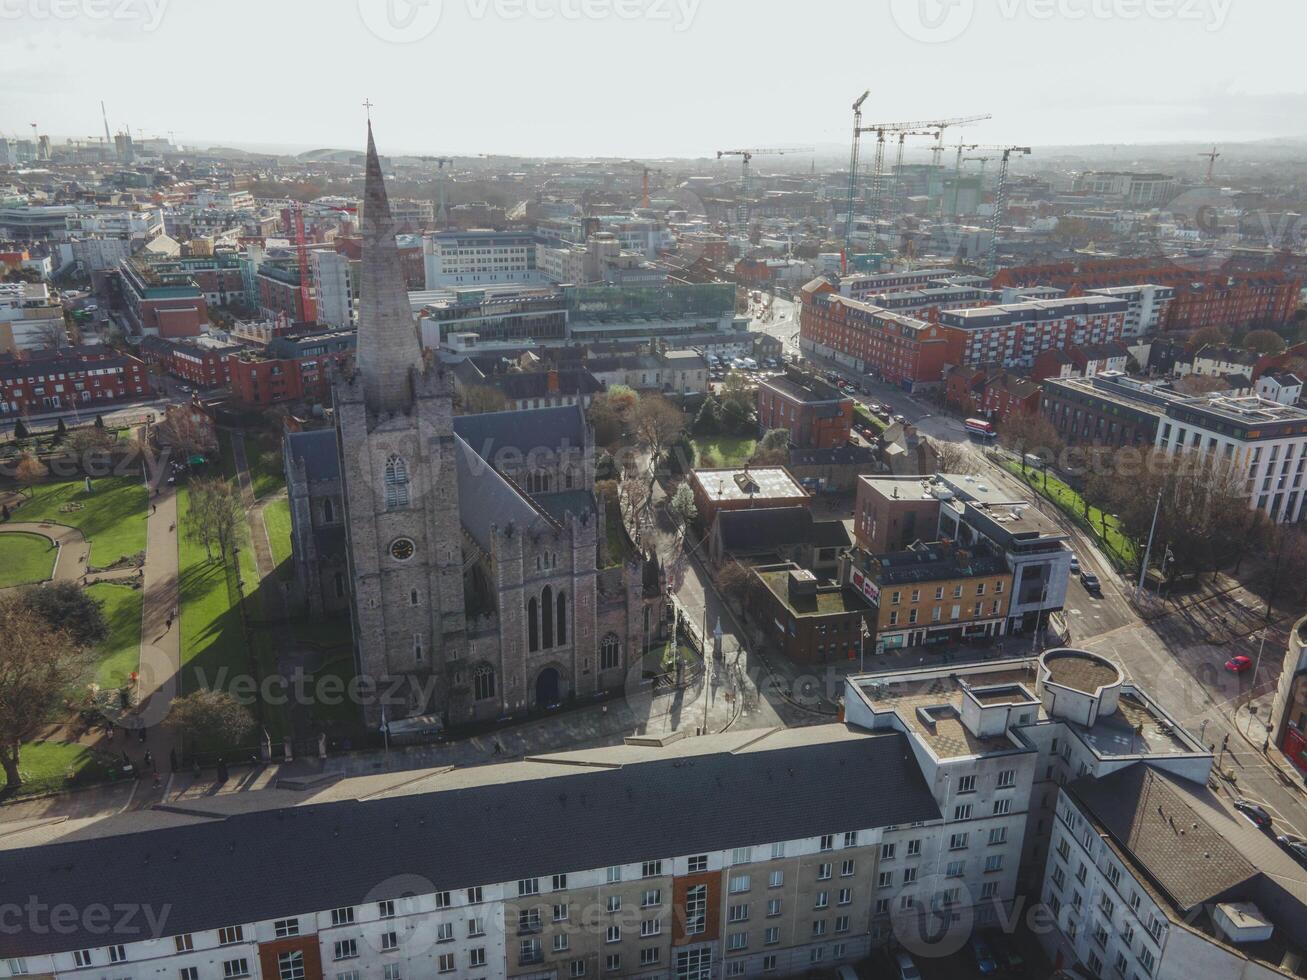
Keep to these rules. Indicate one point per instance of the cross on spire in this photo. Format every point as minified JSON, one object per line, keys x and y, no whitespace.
{"x":367,"y":106}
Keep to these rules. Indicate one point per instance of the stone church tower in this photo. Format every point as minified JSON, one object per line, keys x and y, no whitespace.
{"x":395,"y":438}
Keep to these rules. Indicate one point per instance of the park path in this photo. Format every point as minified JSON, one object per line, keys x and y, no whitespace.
{"x":70,"y":563}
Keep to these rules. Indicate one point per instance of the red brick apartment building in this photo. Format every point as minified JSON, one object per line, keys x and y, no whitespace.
{"x":80,"y":377}
{"x":891,"y":346}
{"x":290,"y":369}
{"x":816,"y":415}
{"x":1014,"y":334}
{"x":1227,"y":298}
{"x":991,"y":392}
{"x":203,"y":361}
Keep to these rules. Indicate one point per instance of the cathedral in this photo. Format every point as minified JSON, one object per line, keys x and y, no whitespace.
{"x":469,"y":550}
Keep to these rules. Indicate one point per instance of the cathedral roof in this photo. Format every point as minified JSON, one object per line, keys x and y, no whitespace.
{"x":530,"y":429}
{"x":316,"y":449}
{"x":486,"y":500}
{"x":388,"y":346}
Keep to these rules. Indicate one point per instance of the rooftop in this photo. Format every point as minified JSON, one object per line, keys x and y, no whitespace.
{"x":750,"y":483}
{"x":1080,"y":670}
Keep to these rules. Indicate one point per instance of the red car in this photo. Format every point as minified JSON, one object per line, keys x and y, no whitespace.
{"x":1239,"y":664}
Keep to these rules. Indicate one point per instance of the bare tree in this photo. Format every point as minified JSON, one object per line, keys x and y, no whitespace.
{"x":50,"y":335}
{"x":1029,"y":433}
{"x":185,"y":433}
{"x":39,"y":665}
{"x":215,"y":514}
{"x":30,"y":472}
{"x":656,"y":424}
{"x":1198,"y":384}
{"x":954,"y":457}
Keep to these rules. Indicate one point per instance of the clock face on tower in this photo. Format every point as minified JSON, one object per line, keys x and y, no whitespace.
{"x":401,"y":549}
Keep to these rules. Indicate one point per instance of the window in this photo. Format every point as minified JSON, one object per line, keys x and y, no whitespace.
{"x":914,"y":848}
{"x":613,"y":934}
{"x":822,"y":900}
{"x":769,"y":963}
{"x":651,"y":898}
{"x":828,"y":842}
{"x":396,"y":483}
{"x":650,"y":927}
{"x":851,"y":838}
{"x":993,"y":863}
{"x":989,"y":889}
{"x":345,"y":949}
{"x":577,"y":968}
{"x":528,"y":886}
{"x":82,"y":957}
{"x":1114,"y":875}
{"x":651,"y":869}
{"x":962,"y":812}
{"x":737,"y":940}
{"x":613,"y":962}
{"x":614,"y":903}
{"x":1002,"y":807}
{"x":881,"y":907}
{"x":846,"y":896}
{"x":290,"y":966}
{"x":474,"y":895}
{"x":236,"y":968}
{"x":386,"y":909}
{"x":738,"y":913}
{"x":559,"y":883}
{"x":736,"y":968}
{"x":696,"y":909}
{"x":957,"y":842}
{"x":341,"y":917}
{"x":773,"y":907}
{"x":954,"y":869}
{"x":778,"y":850}
{"x":613,"y":874}
{"x":742,"y":855}
{"x":739,"y":883}
{"x":483,"y":682}
{"x":1147,"y":960}
{"x":823,"y":872}
{"x":186,"y":942}
{"x":998,"y":835}
{"x":909,"y":875}
{"x":650,"y":955}
{"x":475,"y":928}
{"x":188,"y":973}
{"x":846,"y":869}
{"x":528,"y":920}
{"x":610,"y":652}
{"x":561,"y":942}
{"x":477,"y":956}
{"x":967,"y":784}
{"x":528,"y":951}
{"x":560,"y":912}
{"x":887,"y":852}
{"x":775,"y":879}
{"x":841,"y":923}
{"x":291,"y":927}
{"x":391,"y":971}
{"x":697,"y":863}
{"x":1007,"y":779}
{"x":819,"y":927}
{"x":445,"y":932}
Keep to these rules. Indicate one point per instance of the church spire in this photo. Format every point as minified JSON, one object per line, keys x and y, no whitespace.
{"x":388,"y":345}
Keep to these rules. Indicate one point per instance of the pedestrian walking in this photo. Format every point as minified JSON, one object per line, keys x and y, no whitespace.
{"x":149,"y":758}
{"x":153,"y":508}
{"x":156,"y":779}
{"x":172,"y":760}
{"x":140,"y":734}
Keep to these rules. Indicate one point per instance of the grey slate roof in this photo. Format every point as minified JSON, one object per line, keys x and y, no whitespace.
{"x":537,"y":428}
{"x":317,"y":449}
{"x":251,"y":866}
{"x":752,"y":531}
{"x":486,"y":499}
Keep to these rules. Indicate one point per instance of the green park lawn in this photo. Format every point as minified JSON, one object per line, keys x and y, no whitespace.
{"x":49,"y":767}
{"x":25,"y":558}
{"x":1105,"y":527}
{"x":729,"y":450}
{"x":276,"y":518}
{"x":263,"y":453}
{"x":112,"y":516}
{"x":120,"y":654}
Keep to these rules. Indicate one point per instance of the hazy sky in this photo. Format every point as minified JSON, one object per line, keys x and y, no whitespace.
{"x":650,"y":77}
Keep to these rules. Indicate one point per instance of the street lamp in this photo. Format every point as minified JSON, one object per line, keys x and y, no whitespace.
{"x":1252,"y":690}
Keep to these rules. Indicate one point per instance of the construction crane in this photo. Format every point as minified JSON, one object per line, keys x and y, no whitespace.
{"x":1211,"y":162}
{"x":646,"y":170}
{"x":897,"y":173}
{"x":929,"y":126}
{"x":742,"y":211}
{"x":1000,"y":204}
{"x":307,"y":307}
{"x":853,"y":171}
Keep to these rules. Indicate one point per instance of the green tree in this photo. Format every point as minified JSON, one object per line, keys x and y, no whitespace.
{"x":210,"y":718}
{"x":1264,"y":342}
{"x":683,"y":505}
{"x":67,"y":606}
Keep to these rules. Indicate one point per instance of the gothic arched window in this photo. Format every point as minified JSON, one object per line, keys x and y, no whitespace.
{"x":547,"y":617}
{"x":610,"y":652}
{"x":483,"y":682}
{"x":328,"y":511}
{"x":396,"y":481}
{"x":562,"y":617}
{"x":532,"y":625}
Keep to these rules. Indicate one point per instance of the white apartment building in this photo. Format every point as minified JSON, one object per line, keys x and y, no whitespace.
{"x":1146,"y":313}
{"x":135,"y":225}
{"x":335,"y":282}
{"x":1280,"y":387}
{"x":1134,"y":188}
{"x":479,"y":258}
{"x":30,"y":318}
{"x":583,"y":864}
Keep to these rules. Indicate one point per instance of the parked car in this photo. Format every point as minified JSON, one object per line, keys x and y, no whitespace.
{"x":1296,"y":847}
{"x":1256,"y":813}
{"x":1005,"y":952}
{"x":1075,"y":565}
{"x":1091,"y":583}
{"x":1237,"y":665}
{"x":984,"y":957}
{"x":900,"y":420}
{"x":907,"y":969}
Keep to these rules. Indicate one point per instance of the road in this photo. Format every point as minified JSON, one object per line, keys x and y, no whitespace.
{"x":1176,"y":654}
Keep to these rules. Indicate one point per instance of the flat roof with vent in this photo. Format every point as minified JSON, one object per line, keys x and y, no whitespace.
{"x":1080,"y":670}
{"x":758,"y":483}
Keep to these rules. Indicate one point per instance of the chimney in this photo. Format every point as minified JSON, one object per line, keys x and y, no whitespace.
{"x":553,"y":382}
